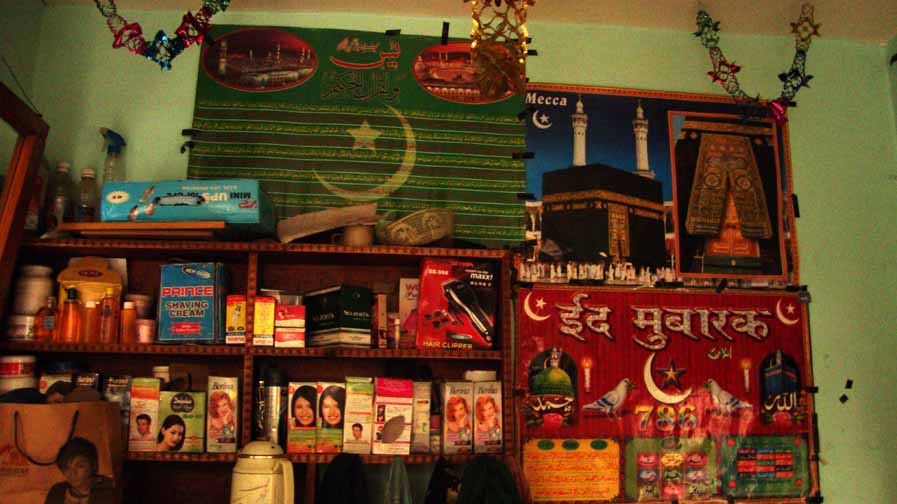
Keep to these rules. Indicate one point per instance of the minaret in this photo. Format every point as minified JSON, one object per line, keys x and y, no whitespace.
{"x":580,"y":122}
{"x":640,"y":128}
{"x":222,"y":58}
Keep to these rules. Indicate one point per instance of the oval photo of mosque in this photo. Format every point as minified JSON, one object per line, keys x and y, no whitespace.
{"x":448,"y":72}
{"x":259,"y":59}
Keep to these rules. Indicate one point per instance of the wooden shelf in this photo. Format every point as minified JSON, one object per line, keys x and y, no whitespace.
{"x":365,"y":353}
{"x":132,"y":348}
{"x":180,"y":457}
{"x":321,"y":458}
{"x":186,"y":230}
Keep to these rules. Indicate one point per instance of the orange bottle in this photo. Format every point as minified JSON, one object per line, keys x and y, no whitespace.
{"x":90,"y":331}
{"x":128,"y":323}
{"x":69,"y":328}
{"x":45,"y":321}
{"x":108,"y":330}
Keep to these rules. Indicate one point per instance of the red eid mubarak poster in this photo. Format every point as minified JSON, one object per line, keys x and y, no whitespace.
{"x":665,"y":395}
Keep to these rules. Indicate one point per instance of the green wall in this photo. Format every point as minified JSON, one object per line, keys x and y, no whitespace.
{"x":843,"y":151}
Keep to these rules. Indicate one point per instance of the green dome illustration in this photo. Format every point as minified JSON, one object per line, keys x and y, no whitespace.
{"x":553,"y":381}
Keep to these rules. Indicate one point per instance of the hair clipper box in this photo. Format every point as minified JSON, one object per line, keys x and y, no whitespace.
{"x":191,"y":303}
{"x":487,"y":417}
{"x":393,"y":407}
{"x":182,"y":422}
{"x":456,"y":307}
{"x":144,"y":418}
{"x":357,"y":428}
{"x":222,"y":415}
{"x":457,"y":425}
{"x":302,"y":418}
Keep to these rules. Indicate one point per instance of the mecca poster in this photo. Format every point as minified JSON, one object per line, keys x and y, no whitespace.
{"x":655,"y":188}
{"x":665,"y":394}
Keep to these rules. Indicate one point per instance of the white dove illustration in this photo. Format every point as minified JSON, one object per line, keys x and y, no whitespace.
{"x":612,"y":401}
{"x":724,"y":401}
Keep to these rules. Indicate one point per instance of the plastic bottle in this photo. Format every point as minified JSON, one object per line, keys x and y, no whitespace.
{"x":45,"y":321}
{"x":59,"y":197}
{"x":69,"y":328}
{"x":88,"y":199}
{"x":90,"y":331}
{"x":128,"y":323}
{"x":109,"y":317}
{"x":112,"y":168}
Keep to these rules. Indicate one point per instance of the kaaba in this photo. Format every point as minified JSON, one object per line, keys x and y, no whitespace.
{"x":594,"y":209}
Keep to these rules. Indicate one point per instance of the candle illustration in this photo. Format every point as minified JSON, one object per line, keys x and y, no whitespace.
{"x":746,"y":369}
{"x":586,"y":364}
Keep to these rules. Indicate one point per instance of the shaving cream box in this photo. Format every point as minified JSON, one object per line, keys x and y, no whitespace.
{"x":192,"y":302}
{"x":359,"y":403}
{"x":241,"y":203}
{"x":301,"y":420}
{"x":393,"y":406}
{"x":190,"y":408}
{"x":487,"y":417}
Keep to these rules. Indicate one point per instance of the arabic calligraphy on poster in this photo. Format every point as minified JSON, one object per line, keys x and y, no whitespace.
{"x":572,"y":469}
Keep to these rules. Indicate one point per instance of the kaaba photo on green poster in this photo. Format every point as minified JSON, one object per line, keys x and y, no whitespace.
{"x":636,"y":187}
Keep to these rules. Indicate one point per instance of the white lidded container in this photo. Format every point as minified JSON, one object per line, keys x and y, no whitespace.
{"x":20,"y":327}
{"x":33,"y":286}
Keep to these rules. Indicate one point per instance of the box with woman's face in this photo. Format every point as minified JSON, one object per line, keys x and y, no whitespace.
{"x":302,"y":417}
{"x":331,"y":408}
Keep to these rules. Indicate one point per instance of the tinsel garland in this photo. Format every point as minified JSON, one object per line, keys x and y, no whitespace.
{"x":724,"y":71}
{"x":162,"y":49}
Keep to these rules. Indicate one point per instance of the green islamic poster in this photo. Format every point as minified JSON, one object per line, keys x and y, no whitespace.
{"x":765,"y":466}
{"x":332,"y":118}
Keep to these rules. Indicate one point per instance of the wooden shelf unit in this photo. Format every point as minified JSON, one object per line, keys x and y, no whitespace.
{"x":295,"y":267}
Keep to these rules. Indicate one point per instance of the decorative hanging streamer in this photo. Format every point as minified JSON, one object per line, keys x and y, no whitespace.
{"x":499,"y":44}
{"x":162,"y":49}
{"x":724,"y":71}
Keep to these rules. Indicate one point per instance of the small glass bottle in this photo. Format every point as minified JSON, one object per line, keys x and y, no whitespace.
{"x":69,"y":328}
{"x":45,"y":321}
{"x":90,"y":331}
{"x":108,"y":332}
{"x":128,"y":323}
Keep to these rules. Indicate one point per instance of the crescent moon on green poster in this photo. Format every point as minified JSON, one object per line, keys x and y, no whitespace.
{"x":655,"y":391}
{"x":392,"y":183}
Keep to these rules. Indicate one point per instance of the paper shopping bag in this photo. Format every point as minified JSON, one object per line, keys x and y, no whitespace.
{"x":59,"y":453}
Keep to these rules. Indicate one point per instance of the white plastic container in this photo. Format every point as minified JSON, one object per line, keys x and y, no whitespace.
{"x":33,"y":286}
{"x":20,"y":327}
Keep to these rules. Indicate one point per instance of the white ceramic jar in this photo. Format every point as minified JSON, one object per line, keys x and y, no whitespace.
{"x":33,"y":286}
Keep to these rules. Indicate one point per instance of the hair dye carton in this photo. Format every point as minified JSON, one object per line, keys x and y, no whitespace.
{"x":144,"y":417}
{"x":359,"y":404}
{"x":263,"y":321}
{"x":302,"y":418}
{"x":331,"y":417}
{"x":191,"y":302}
{"x":420,"y":432}
{"x":392,"y":416}
{"x":118,"y":389}
{"x":457,"y":425}
{"x":456,"y":305}
{"x":223,"y":415}
{"x":184,"y":412}
{"x":235,"y":320}
{"x":487,"y":415}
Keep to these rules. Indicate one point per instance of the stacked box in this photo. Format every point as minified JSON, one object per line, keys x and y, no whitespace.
{"x":331,"y":415}
{"x":488,"y":417}
{"x":144,"y":418}
{"x":301,"y":420}
{"x":289,"y":326}
{"x":223,"y":415}
{"x":359,"y":402}
{"x":457,"y":429}
{"x":339,"y":316}
{"x":184,"y":412}
{"x":263,"y":321}
{"x":420,"y":432}
{"x":191,"y":302}
{"x":392,"y":416}
{"x":235,"y":320}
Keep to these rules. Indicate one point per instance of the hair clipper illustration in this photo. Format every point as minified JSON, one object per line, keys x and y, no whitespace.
{"x":462,"y":298}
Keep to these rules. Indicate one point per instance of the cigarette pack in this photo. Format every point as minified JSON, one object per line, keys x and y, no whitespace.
{"x":359,"y":403}
{"x":409,"y":291}
{"x":191,"y":297}
{"x":456,"y":307}
{"x":292,"y":316}
{"x":393,"y":406}
{"x":223,"y":414}
{"x":457,"y":431}
{"x":182,"y":422}
{"x":339,"y":316}
{"x":487,"y":416}
{"x":263,"y":321}
{"x":420,"y":432}
{"x":289,"y":337}
{"x":235,"y":320}
{"x":379,"y":322}
{"x":144,"y":417}
{"x":301,"y":417}
{"x":331,"y":416}
{"x":118,"y":389}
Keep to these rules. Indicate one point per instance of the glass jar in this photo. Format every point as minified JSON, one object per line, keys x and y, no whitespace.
{"x":33,"y":286}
